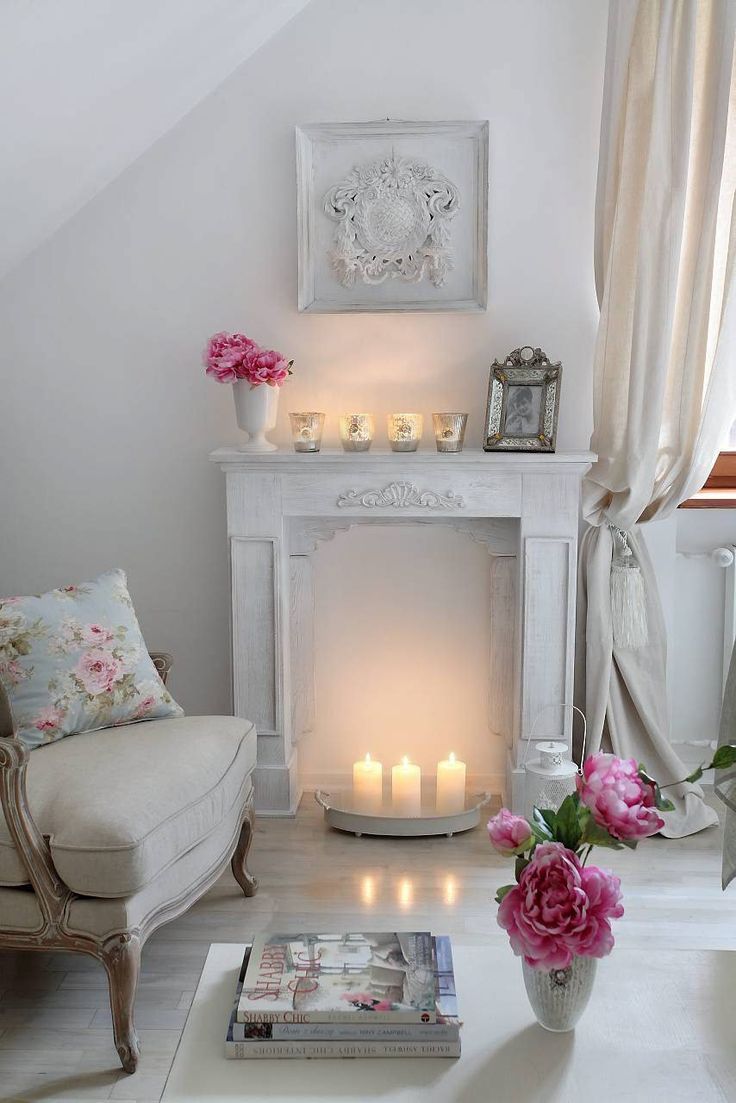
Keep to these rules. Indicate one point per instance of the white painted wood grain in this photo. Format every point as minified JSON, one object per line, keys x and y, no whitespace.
{"x":301,"y":629}
{"x":547,"y":646}
{"x":254,"y":631}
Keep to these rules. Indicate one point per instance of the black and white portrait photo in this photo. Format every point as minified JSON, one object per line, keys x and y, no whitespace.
{"x":522,"y":411}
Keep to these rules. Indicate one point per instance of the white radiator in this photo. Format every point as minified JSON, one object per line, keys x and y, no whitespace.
{"x":691,"y":744}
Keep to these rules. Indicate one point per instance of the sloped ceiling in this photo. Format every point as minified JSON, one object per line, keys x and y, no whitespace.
{"x":88,"y":85}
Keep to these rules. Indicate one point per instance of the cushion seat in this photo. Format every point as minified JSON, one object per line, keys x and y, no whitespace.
{"x":120,"y":806}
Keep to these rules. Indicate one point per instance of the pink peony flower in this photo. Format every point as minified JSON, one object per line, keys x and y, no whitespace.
{"x":265,"y":366}
{"x":509,"y":834}
{"x":230,"y":357}
{"x":98,"y":670}
{"x":560,"y":910}
{"x":618,"y":798}
{"x":48,"y":719}
{"x":224,"y":354}
{"x":96,"y":634}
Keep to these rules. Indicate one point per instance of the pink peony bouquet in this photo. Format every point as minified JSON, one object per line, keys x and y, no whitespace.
{"x":560,"y":907}
{"x":230,"y":357}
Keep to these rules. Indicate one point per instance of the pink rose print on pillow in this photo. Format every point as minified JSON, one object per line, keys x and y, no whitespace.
{"x":98,"y":670}
{"x":96,"y":635}
{"x":49,"y":719}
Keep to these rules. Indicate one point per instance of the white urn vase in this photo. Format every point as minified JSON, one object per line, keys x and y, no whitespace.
{"x":255,"y":411}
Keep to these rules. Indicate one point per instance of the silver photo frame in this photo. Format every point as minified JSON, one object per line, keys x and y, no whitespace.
{"x":523,"y":403}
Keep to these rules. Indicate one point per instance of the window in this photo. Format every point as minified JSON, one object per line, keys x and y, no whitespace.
{"x":719,"y":491}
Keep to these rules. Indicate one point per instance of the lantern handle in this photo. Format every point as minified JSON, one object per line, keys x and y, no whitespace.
{"x":561,"y":705}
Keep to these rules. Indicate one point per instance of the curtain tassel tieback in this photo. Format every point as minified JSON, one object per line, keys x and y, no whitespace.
{"x":628,"y":598}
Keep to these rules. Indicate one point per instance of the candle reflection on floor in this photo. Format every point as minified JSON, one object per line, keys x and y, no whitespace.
{"x":406,"y":893}
{"x":368,"y":891}
{"x":449,"y":890}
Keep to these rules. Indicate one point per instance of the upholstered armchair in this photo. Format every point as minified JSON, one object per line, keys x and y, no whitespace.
{"x":106,"y":835}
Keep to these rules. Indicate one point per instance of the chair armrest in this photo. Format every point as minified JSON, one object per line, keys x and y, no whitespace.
{"x":29,"y":842}
{"x":163,"y":663}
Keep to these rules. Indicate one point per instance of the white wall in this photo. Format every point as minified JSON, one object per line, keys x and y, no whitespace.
{"x":107,"y":416}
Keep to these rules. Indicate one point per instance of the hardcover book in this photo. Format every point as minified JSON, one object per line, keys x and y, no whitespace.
{"x":340,"y":978}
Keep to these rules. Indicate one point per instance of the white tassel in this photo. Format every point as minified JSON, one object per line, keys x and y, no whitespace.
{"x":628,"y":599}
{"x":628,"y":606}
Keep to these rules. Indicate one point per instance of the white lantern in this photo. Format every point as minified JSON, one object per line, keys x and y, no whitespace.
{"x":551,"y":777}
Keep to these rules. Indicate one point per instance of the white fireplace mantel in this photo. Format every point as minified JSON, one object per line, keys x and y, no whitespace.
{"x":524,"y":507}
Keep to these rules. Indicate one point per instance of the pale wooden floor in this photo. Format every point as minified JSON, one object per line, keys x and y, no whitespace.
{"x":55,"y":1039}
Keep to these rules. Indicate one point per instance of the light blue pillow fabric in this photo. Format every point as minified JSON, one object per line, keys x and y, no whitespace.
{"x":74,"y":660}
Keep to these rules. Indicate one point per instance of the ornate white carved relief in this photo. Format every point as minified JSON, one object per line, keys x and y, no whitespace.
{"x":393,"y":217}
{"x":401,"y":495}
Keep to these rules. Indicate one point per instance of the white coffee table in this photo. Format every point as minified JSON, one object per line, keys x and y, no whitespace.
{"x":660,"y":1025}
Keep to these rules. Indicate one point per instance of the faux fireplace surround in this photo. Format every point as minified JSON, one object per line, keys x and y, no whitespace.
{"x":523,"y":507}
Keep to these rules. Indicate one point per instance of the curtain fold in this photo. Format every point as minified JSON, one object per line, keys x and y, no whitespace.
{"x":665,"y":362}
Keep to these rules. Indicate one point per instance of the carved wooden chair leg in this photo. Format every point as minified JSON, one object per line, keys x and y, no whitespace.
{"x":241,"y":873}
{"x":121,"y":957}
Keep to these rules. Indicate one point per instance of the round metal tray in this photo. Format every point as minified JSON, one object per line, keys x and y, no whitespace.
{"x":340,"y":814}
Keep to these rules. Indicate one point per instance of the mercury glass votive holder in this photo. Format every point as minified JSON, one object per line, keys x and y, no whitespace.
{"x":449,"y":431}
{"x":357,"y":432}
{"x":405,"y":431}
{"x":306,"y":431}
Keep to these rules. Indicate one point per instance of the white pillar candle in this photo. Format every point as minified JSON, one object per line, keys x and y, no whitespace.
{"x":450,"y":786}
{"x":406,"y":789}
{"x":368,"y":785}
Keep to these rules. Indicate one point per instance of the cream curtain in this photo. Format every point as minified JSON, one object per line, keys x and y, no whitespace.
{"x":665,"y":364}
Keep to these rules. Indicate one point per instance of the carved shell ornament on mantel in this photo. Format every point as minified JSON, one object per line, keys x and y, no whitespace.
{"x":401,"y":496}
{"x":393,"y":222}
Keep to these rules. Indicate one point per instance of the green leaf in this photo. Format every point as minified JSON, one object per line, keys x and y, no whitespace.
{"x":695,"y":775}
{"x":521,"y":864}
{"x":724,"y":757}
{"x":542,"y":829}
{"x":500,"y":893}
{"x":568,"y":830}
{"x":663,"y":804}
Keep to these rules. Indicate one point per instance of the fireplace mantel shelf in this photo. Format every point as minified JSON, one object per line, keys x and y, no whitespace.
{"x":525,"y":508}
{"x":231,"y":457}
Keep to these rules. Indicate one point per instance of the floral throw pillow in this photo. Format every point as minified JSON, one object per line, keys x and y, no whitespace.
{"x":74,"y":660}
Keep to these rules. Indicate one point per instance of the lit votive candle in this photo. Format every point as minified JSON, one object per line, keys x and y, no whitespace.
{"x":406,"y":789}
{"x":306,"y":431}
{"x":357,"y":432}
{"x":405,"y":431}
{"x":450,"y":786}
{"x":449,"y":431}
{"x":368,"y":785}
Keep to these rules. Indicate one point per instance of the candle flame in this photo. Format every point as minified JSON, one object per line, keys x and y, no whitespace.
{"x":367,"y":758}
{"x":405,"y":761}
{"x":452,"y":756}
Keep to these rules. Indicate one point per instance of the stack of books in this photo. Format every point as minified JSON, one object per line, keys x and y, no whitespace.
{"x":345,"y":995}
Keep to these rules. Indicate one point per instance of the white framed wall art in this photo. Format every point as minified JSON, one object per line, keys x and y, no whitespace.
{"x":392,"y":216}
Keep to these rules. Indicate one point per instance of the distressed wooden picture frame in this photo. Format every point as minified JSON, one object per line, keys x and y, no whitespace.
{"x":523,"y":403}
{"x":392,"y":217}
